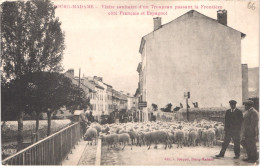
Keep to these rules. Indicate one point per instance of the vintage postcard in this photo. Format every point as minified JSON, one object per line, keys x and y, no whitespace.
{"x":130,"y":82}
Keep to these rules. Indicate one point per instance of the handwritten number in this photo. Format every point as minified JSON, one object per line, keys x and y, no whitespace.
{"x":251,"y":5}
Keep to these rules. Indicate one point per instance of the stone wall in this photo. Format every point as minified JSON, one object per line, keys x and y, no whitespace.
{"x":215,"y":114}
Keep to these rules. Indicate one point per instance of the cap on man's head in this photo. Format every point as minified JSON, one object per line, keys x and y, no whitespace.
{"x":248,"y":102}
{"x":232,"y":102}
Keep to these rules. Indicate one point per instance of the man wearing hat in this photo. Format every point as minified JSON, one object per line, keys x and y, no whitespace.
{"x":233,"y":122}
{"x":249,"y":131}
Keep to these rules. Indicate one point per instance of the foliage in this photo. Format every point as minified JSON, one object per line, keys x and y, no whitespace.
{"x":167,"y":108}
{"x":155,"y":107}
{"x":31,"y":41}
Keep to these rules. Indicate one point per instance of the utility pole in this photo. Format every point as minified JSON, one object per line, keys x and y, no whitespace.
{"x":79,"y":77}
{"x":187,"y":109}
{"x":79,"y":86}
{"x":187,"y":96}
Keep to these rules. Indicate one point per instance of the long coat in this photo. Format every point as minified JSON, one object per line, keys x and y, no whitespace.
{"x":250,"y":123}
{"x":233,"y":121}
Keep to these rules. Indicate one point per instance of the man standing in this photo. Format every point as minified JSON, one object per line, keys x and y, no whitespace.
{"x":249,"y":132}
{"x":91,"y":117}
{"x":153,"y":117}
{"x":233,"y":122}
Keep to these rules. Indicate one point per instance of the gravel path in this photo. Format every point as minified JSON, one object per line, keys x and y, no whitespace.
{"x":89,"y":155}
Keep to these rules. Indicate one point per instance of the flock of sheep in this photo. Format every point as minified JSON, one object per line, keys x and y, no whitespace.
{"x":168,"y":133}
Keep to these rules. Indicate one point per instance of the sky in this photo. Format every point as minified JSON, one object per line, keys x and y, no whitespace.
{"x":108,"y":46}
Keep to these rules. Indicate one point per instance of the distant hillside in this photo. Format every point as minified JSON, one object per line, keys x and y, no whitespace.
{"x":253,"y":82}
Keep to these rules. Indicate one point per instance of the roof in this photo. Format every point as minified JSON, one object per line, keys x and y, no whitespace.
{"x":191,"y":11}
{"x":85,"y":84}
{"x":107,"y":85}
{"x":96,"y":84}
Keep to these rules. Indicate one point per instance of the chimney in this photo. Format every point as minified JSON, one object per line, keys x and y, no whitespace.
{"x":157,"y":22}
{"x":222,"y":16}
{"x":98,"y":78}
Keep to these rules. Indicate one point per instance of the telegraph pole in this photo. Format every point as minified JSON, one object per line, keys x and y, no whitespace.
{"x":187,"y":109}
{"x":79,"y":85}
{"x":79,"y":77}
{"x":187,"y":96}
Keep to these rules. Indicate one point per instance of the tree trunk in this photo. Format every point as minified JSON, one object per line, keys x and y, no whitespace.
{"x":20,"y":132}
{"x":49,"y":123}
{"x":37,"y":126}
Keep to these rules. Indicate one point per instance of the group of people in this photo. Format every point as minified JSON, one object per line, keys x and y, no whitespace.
{"x":242,"y":128}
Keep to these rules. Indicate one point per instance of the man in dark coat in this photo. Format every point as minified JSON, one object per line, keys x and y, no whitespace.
{"x":233,"y":122}
{"x":91,"y":117}
{"x":153,"y":117}
{"x":250,"y":131}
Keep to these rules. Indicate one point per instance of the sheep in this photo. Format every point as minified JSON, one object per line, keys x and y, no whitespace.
{"x":221,"y":132}
{"x":122,"y":131}
{"x":199,"y":137}
{"x":186,"y":137}
{"x":105,"y":130}
{"x":91,"y":134}
{"x":97,"y":126}
{"x":179,"y":136}
{"x":171,"y":139}
{"x":110,"y":140}
{"x":204,"y":136}
{"x":193,"y":134}
{"x":133,"y":135}
{"x":124,"y":139}
{"x":140,"y":138}
{"x":156,"y":137}
{"x":210,"y":137}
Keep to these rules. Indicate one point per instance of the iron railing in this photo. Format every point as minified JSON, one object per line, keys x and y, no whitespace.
{"x":51,"y":150}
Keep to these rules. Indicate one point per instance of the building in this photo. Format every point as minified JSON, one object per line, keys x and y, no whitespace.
{"x":131,"y":102}
{"x":116,"y":99}
{"x":109,"y":100}
{"x":103,"y":98}
{"x":119,"y":100}
{"x":192,"y":53}
{"x":123,"y":101}
{"x":87,"y":87}
{"x":97,"y":100}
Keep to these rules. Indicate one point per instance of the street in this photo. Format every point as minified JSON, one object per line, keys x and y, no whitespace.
{"x":191,"y":156}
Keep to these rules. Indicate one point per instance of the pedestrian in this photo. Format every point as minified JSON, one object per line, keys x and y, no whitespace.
{"x":233,"y":122}
{"x":153,"y":117}
{"x":103,"y":118}
{"x":91,"y":117}
{"x":250,"y":131}
{"x":83,"y":123}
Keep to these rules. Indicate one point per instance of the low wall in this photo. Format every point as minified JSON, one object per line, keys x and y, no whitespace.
{"x":215,"y":114}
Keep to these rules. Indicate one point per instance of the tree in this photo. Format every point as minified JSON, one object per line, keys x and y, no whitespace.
{"x":155,"y":107}
{"x":167,"y":108}
{"x":51,"y":92}
{"x":31,"y":41}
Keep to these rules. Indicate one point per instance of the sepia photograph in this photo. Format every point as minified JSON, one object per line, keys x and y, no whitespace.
{"x":129,"y":83}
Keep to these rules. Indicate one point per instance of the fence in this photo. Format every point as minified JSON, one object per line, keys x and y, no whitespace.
{"x":51,"y":150}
